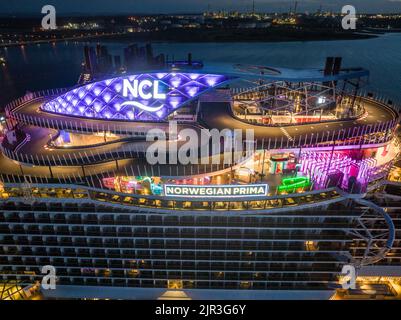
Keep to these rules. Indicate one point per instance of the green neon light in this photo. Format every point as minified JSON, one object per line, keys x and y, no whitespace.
{"x":294,"y":183}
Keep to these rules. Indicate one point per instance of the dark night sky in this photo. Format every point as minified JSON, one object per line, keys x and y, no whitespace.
{"x":94,"y":7}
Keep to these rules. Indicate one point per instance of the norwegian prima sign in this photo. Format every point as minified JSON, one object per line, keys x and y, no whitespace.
{"x":218,"y":191}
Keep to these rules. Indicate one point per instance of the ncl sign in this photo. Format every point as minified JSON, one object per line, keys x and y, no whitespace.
{"x":145,"y":90}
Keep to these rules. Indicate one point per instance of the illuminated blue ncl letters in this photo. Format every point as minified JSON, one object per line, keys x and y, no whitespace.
{"x":143,"y":89}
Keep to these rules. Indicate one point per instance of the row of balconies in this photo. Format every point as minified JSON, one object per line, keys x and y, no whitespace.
{"x":171,"y":264}
{"x":294,"y":233}
{"x":211,"y":244}
{"x":177,"y":231}
{"x":300,"y":257}
{"x":51,"y":207}
{"x":102,"y":223}
{"x":165,"y":220}
{"x":178,"y":267}
{"x":192,"y":284}
{"x":217,"y":274}
{"x":170,"y":245}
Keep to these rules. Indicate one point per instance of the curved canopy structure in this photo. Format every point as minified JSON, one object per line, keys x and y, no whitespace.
{"x":141,"y":97}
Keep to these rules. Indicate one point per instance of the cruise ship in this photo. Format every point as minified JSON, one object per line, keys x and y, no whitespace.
{"x":279,"y":220}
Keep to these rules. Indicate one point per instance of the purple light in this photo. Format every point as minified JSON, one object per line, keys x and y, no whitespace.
{"x":81,"y":93}
{"x":174,"y":102}
{"x":97,"y":91}
{"x":107,"y":97}
{"x":161,"y":75}
{"x":118,"y":87}
{"x":193,"y":76}
{"x":192,"y":91}
{"x":88,"y":100}
{"x":211,"y":80}
{"x":130,"y":115}
{"x":175,"y":82}
{"x":160,"y":113}
{"x":97,"y":106}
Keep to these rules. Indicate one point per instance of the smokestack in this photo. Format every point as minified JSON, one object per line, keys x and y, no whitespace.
{"x":328,"y":69}
{"x":337,"y":65}
{"x":88,"y":65}
{"x":98,"y":49}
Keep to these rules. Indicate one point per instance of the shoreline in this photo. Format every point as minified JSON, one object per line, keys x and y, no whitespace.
{"x":223,"y":36}
{"x":242,"y":35}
